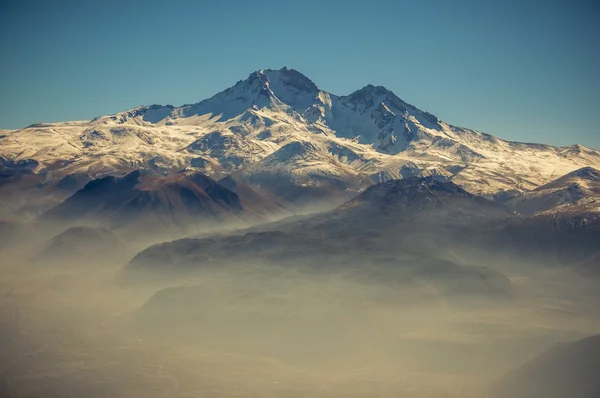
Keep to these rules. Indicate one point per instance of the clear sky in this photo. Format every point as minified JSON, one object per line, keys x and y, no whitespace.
{"x":521,"y":70}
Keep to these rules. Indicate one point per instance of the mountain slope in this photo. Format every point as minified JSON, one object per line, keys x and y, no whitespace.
{"x":303,"y":173}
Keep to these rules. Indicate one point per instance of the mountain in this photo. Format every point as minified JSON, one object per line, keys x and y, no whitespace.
{"x":412,"y":196}
{"x":149,"y":204}
{"x":401,"y":231}
{"x":559,"y":220}
{"x":96,"y":245}
{"x":289,"y":140}
{"x":575,"y":192}
{"x":409,"y":229}
{"x":304,"y":174}
{"x":566,"y":370}
{"x":25,"y":193}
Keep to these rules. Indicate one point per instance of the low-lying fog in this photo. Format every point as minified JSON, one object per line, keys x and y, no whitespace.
{"x":77,"y":330}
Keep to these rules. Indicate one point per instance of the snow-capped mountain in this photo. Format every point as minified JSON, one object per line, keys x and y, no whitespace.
{"x":575,"y":192}
{"x":278,"y":132}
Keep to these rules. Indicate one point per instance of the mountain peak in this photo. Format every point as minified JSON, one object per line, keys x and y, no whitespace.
{"x":370,"y":91}
{"x":394,"y":193}
{"x":372,"y":96}
{"x":588,"y":173}
{"x":291,"y":78}
{"x":268,"y":87}
{"x":258,"y":76}
{"x":409,"y":196}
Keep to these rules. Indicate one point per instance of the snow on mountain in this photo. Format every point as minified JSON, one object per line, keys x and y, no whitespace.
{"x":575,"y":192}
{"x":303,"y":172}
{"x":277,"y":124}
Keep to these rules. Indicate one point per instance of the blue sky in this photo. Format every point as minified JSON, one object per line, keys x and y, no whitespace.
{"x":525,"y":72}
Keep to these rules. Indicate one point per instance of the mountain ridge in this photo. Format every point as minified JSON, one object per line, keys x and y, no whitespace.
{"x":141,"y":203}
{"x":368,"y":136}
{"x":577,"y":192}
